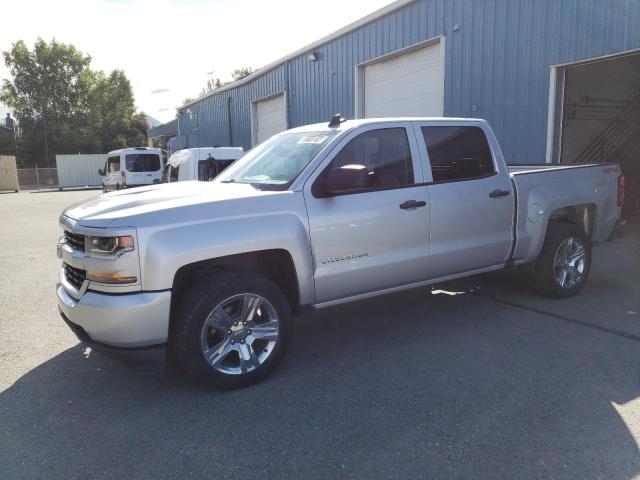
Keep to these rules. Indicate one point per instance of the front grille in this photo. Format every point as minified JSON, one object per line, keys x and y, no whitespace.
{"x":74,"y":276}
{"x":75,"y":240}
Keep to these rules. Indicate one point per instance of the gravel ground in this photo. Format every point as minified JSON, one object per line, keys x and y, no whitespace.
{"x":482,"y":379}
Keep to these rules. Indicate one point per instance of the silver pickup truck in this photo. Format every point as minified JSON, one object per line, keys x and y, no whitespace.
{"x":317,"y":216}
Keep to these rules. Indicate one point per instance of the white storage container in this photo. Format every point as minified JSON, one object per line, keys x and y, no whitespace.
{"x":80,"y":170}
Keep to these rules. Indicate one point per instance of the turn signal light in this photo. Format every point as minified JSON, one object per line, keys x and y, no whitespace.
{"x":110,"y":278}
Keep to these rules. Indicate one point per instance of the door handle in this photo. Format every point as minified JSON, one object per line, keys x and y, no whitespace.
{"x":499,"y":193}
{"x":412,"y":204}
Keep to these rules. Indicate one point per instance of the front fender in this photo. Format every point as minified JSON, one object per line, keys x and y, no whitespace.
{"x":168,"y":249}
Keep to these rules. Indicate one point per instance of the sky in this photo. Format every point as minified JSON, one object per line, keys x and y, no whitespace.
{"x":167,"y":48}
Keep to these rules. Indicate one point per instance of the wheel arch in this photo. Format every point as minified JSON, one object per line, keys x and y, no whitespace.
{"x":275,"y":264}
{"x":583,"y":215}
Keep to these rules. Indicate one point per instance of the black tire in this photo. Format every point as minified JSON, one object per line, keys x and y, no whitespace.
{"x":545,"y":281}
{"x":196,"y":305}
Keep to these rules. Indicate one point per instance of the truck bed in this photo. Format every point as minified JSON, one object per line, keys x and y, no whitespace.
{"x":544,"y":189}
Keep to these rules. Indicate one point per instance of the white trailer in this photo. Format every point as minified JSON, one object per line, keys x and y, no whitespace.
{"x":80,"y":170}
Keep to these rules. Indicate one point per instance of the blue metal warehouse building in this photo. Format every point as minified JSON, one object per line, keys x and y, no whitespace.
{"x":559,"y":80}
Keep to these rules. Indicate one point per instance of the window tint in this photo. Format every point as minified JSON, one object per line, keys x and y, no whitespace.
{"x":143,"y":162}
{"x":384,"y":152}
{"x":208,"y":169}
{"x":173,"y":174}
{"x":458,"y":153}
{"x":113,"y":164}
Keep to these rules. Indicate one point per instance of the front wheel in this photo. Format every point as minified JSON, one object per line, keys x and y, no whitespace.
{"x":233,"y":329}
{"x":564,"y":263}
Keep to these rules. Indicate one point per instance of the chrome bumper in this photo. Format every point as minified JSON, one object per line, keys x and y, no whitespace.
{"x":125,"y":320}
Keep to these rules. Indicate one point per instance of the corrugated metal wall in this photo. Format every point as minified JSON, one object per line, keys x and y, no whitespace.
{"x":206,"y":123}
{"x":80,"y":170}
{"x":498,"y":61}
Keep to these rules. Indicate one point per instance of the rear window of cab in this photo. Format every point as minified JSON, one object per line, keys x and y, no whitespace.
{"x":143,"y":162}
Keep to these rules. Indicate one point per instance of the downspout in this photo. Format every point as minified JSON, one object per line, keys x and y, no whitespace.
{"x":229,"y":122}
{"x":286,"y":93}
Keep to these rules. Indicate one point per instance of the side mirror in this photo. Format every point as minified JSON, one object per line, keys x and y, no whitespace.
{"x":100,"y":172}
{"x":346,"y":179}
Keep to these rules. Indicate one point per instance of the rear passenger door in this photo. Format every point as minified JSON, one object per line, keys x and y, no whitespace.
{"x":378,"y":237}
{"x":472,"y":201}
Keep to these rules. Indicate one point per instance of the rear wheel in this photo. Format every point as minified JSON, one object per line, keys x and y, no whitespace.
{"x":233,"y":329}
{"x":564,"y":263}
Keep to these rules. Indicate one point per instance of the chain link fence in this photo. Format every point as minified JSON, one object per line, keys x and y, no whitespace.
{"x":37,"y":178}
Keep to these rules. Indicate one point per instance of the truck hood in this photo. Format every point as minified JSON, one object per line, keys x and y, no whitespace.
{"x":125,"y":208}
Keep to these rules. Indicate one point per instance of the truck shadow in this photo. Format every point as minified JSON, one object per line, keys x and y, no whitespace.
{"x":412,"y":384}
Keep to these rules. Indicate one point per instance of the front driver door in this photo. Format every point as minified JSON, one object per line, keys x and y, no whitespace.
{"x":376,"y":238}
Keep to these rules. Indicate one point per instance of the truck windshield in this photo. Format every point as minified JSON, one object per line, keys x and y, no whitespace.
{"x":276,"y":163}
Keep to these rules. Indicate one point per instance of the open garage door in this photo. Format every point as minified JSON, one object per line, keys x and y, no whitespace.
{"x":597,"y":117}
{"x":409,"y":83}
{"x":269,"y":116}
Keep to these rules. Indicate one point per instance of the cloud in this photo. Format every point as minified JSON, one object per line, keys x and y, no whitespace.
{"x":160,"y":90}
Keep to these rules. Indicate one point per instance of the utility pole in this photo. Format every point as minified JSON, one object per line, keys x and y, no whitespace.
{"x":213,"y":82}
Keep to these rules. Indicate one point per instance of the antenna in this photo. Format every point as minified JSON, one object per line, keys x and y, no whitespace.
{"x":336,"y":120}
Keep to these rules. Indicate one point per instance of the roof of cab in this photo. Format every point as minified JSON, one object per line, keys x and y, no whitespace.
{"x":350,"y":124}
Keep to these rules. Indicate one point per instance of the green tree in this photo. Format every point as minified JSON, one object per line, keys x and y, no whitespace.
{"x":49,"y":93}
{"x":242,"y":72}
{"x":209,"y":87}
{"x":237,"y":74}
{"x":113,"y":121}
{"x":63,"y":106}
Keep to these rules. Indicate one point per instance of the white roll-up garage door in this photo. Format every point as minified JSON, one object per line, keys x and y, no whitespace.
{"x":269,"y":118}
{"x":406,"y":85}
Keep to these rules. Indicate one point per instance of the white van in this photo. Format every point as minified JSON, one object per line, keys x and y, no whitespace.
{"x":132,"y":167}
{"x":202,"y":164}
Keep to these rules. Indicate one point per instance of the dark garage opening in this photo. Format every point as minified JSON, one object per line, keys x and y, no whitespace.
{"x":601,"y":118}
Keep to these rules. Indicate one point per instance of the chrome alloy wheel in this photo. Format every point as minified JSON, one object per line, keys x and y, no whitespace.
{"x":569,"y":262}
{"x":240,"y":333}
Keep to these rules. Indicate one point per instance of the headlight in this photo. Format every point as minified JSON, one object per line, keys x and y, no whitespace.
{"x":111,"y":246}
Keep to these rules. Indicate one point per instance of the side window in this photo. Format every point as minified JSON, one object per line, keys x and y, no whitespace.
{"x":207,"y":169}
{"x":458,"y":153}
{"x":113,"y":164}
{"x":384,"y":152}
{"x":173,"y":175}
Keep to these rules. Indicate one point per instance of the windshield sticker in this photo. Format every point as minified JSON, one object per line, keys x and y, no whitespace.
{"x":315,"y":139}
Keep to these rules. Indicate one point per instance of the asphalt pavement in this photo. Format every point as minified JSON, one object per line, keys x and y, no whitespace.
{"x":476,"y":379}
